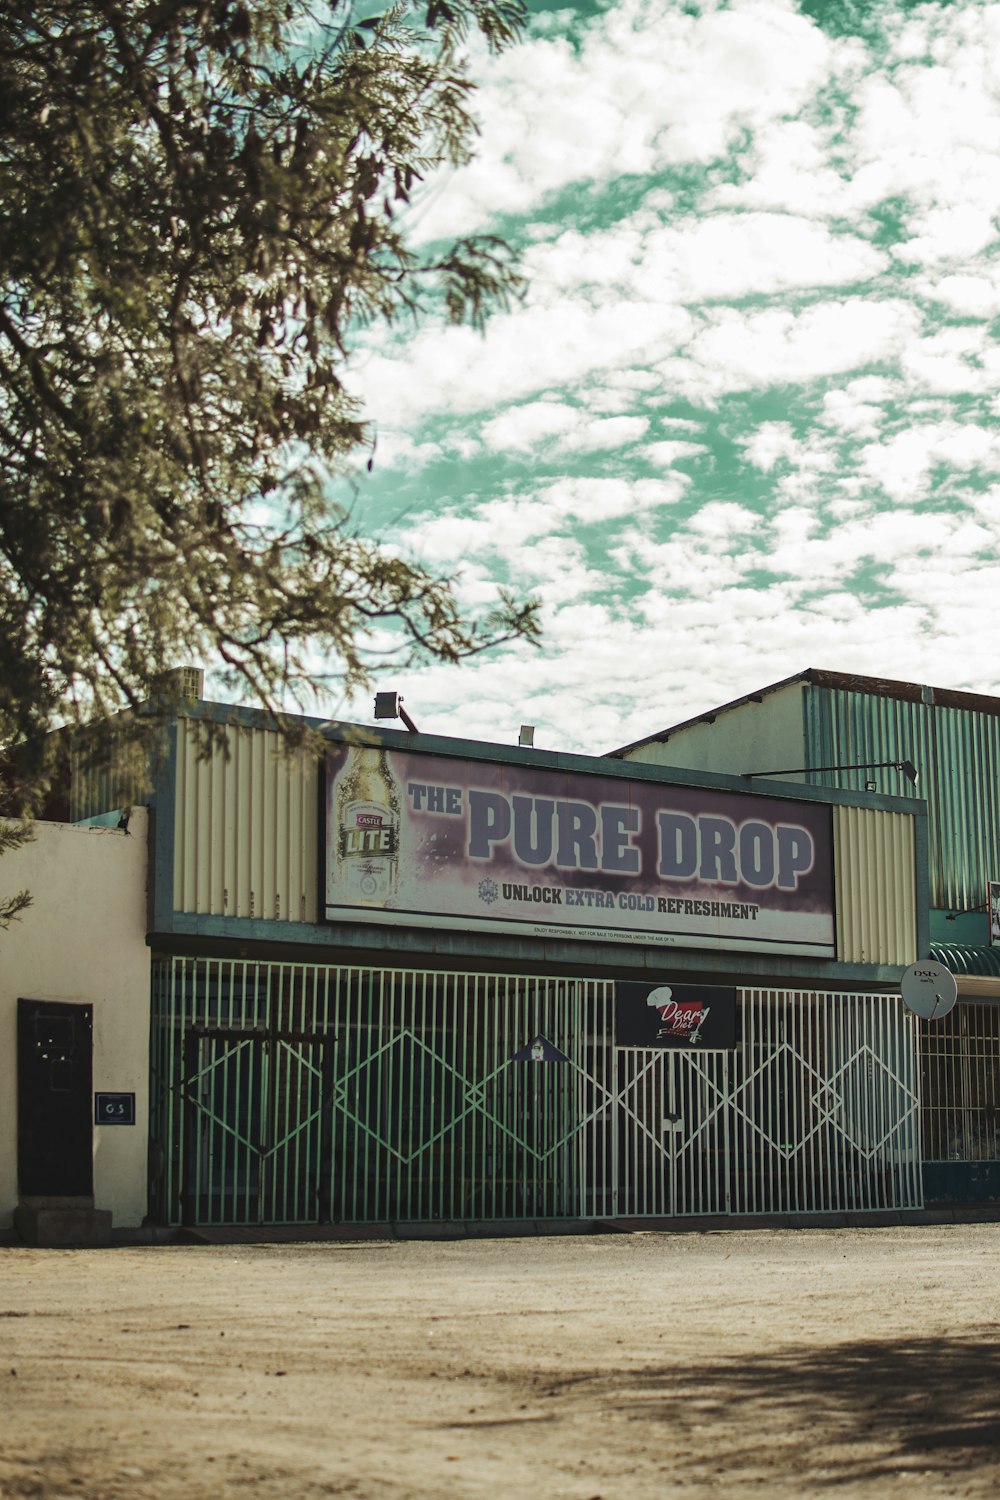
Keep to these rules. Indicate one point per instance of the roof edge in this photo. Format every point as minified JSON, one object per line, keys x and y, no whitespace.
{"x":848,"y":682}
{"x":711,"y":714}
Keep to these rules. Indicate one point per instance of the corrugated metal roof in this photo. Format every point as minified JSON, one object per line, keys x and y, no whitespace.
{"x":962,"y":958}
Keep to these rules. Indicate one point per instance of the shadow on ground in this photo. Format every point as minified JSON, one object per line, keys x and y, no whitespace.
{"x":852,"y":1412}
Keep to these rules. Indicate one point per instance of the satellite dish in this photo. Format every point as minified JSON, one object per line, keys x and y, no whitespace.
{"x":929,"y":989}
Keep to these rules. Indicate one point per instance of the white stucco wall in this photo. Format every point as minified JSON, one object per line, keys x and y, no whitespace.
{"x":83,"y":939}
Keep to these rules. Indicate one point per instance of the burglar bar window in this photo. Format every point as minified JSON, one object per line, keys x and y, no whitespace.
{"x":960,"y":1064}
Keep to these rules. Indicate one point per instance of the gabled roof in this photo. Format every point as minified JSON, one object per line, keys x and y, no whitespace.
{"x":850,"y":682}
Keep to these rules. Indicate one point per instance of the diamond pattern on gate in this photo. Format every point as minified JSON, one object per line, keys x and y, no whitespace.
{"x":775,"y":1058}
{"x":479,"y":1096}
{"x":472,"y":1097}
{"x":629,"y":1106}
{"x":887,"y":1110}
{"x":830,"y":1098}
{"x":306,"y":1066}
{"x":203,"y":1110}
{"x":379,"y":1060}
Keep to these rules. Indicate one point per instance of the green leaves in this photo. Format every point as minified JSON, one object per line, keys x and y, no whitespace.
{"x":179,"y":287}
{"x":13,"y":834}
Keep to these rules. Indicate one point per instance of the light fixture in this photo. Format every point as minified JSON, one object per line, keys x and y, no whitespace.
{"x":390,"y":706}
{"x":907,"y":767}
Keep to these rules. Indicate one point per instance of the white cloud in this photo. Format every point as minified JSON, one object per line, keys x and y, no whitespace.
{"x":594,"y":500}
{"x":769,"y":444}
{"x":723,"y":520}
{"x":950,"y":361}
{"x":522,"y":353}
{"x":903,"y":465}
{"x":695,"y":259}
{"x":969,"y":296}
{"x":522,"y":428}
{"x":786,"y":167}
{"x":556,"y":568}
{"x":555,"y":428}
{"x":742,"y":350}
{"x":649,"y":85}
{"x":734,"y":255}
{"x":394,"y":449}
{"x":675,"y":568}
{"x":721,"y":320}
{"x":618,"y":392}
{"x":608,"y":676}
{"x":502,"y":527}
{"x":927,"y":131}
{"x":666,"y":453}
{"x":594,"y":435}
{"x":923,"y":130}
{"x":953,"y":233}
{"x":846,"y":411}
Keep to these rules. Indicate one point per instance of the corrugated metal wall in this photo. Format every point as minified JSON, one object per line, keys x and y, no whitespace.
{"x":96,"y":790}
{"x":965,"y":809}
{"x":956,"y":751}
{"x":875,"y":885}
{"x":108,"y":772}
{"x":106,"y":776}
{"x":246,"y":828}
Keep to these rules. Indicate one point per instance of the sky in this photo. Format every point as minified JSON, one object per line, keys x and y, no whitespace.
{"x":745,"y":420}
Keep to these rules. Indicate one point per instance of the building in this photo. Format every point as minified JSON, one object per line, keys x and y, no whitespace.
{"x":395,"y":977}
{"x":850,"y":731}
{"x":74,"y":1034}
{"x":407,"y":979}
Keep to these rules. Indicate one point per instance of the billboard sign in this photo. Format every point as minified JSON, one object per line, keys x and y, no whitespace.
{"x":426,"y":840}
{"x":693,"y":1017}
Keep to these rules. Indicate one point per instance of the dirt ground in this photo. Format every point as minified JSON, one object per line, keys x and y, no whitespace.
{"x":788,"y":1363}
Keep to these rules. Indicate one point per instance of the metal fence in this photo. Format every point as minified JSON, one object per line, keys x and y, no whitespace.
{"x":960,"y":1063}
{"x":289,"y":1093}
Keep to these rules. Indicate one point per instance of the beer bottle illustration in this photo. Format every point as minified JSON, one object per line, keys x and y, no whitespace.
{"x":367,"y":813}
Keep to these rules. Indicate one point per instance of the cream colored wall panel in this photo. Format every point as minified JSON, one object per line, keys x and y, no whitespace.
{"x":754,"y":737}
{"x":876,"y":886}
{"x":246,"y":828}
{"x":83,"y":941}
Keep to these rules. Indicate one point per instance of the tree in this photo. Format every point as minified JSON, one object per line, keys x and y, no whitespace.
{"x":199,"y":206}
{"x":13,"y":836}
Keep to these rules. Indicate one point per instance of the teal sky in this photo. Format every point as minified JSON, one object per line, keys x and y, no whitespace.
{"x":745,"y":420}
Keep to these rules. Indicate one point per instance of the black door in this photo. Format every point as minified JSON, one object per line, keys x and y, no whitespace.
{"x":54,"y":1100}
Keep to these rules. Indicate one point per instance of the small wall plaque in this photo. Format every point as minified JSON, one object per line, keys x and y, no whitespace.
{"x":114,"y":1109}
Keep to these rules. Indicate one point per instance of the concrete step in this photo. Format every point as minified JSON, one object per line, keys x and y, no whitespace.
{"x":60,"y":1227}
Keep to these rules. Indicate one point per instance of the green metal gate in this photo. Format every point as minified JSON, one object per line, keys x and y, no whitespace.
{"x":302,"y":1094}
{"x":289,"y":1093}
{"x":254,"y":1127}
